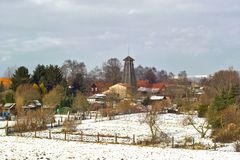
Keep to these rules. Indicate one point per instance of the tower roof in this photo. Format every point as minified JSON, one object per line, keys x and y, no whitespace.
{"x":128,"y":58}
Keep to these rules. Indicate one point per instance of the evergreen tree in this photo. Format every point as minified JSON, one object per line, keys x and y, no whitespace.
{"x":39,"y":74}
{"x":21,"y":76}
{"x":78,"y":84}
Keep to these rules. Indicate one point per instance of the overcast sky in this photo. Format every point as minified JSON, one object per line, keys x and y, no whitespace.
{"x":199,"y":36}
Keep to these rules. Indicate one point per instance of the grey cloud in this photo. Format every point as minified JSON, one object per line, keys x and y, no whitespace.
{"x":158,"y":31}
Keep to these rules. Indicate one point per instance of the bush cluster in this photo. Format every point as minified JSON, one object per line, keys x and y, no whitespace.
{"x":33,"y":120}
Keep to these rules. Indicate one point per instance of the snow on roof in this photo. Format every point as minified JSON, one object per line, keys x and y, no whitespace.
{"x":149,"y":90}
{"x":157,"y":97}
{"x":9,"y":105}
{"x":100,"y":95}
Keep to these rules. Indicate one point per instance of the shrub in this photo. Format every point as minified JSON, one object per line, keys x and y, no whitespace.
{"x":187,"y":140}
{"x":202,"y":110}
{"x":33,"y":120}
{"x":108,"y":112}
{"x":126,"y":107}
{"x":237,"y":146}
{"x":69,"y":126}
{"x":230,"y":115}
{"x":228,"y":134}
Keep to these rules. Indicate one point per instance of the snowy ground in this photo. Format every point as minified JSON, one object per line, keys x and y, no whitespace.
{"x":18,"y":148}
{"x":129,"y":125}
{"x":132,"y":124}
{"x":124,"y":125}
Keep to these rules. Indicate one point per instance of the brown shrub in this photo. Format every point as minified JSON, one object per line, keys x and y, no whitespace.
{"x":226,"y":136}
{"x":108,"y":112}
{"x":69,"y":126}
{"x":231,"y":126}
{"x":231,"y":115}
{"x":33,"y":120}
{"x":126,"y":107}
{"x":237,"y":146}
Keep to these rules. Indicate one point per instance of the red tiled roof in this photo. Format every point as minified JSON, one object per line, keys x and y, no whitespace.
{"x":145,"y":84}
{"x":6,"y":82}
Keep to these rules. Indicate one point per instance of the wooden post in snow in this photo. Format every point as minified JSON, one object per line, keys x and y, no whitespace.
{"x":172,"y":142}
{"x":98,"y":137}
{"x":50,"y":136}
{"x":81,"y":135}
{"x":116,"y":138}
{"x":193,"y":143}
{"x":134,"y":139}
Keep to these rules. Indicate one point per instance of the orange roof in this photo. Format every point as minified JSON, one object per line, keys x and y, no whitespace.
{"x":143,"y":83}
{"x":158,"y":85}
{"x":6,"y":82}
{"x":102,"y":86}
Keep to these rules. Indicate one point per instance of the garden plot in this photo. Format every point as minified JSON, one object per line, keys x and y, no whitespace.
{"x":172,"y":124}
{"x":131,"y":126}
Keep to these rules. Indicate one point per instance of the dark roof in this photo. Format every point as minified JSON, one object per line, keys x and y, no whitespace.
{"x":128,"y":58}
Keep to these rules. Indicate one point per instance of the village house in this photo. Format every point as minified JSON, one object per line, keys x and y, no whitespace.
{"x":33,"y":105}
{"x":147,"y":89}
{"x":120,"y":90}
{"x":8,"y":110}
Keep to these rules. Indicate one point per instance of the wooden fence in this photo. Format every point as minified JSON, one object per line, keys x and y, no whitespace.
{"x":104,"y":138}
{"x":80,"y":136}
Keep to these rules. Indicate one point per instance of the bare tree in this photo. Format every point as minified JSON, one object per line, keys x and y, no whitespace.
{"x":25,"y":93}
{"x":151,"y":119}
{"x":71,"y":68}
{"x":81,"y":104}
{"x":225,"y":80}
{"x":150,"y":75}
{"x":9,"y":72}
{"x":202,"y":128}
{"x":53,"y":98}
{"x":96,"y":74}
{"x":112,"y":70}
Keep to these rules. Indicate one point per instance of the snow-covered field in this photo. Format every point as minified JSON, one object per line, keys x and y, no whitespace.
{"x":18,"y":148}
{"x":171,"y":124}
{"x":124,"y":125}
{"x":129,"y":125}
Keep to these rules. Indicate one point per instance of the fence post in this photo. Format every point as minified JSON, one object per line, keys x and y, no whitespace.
{"x":61,"y":118}
{"x":134,"y":139}
{"x":65,"y":136}
{"x":35,"y":134}
{"x":172,"y":142}
{"x":51,"y":125}
{"x":98,"y":137}
{"x":58,"y":122}
{"x":81,"y":135}
{"x":215,"y":146}
{"x":116,"y":138}
{"x":193,"y":143}
{"x":80,"y":120}
{"x":50,"y":136}
{"x":6,"y":129}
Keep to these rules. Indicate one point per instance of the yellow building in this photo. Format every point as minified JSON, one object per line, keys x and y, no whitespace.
{"x":120,"y":89}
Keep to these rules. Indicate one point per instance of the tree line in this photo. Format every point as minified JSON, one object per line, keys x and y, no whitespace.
{"x":59,"y":85}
